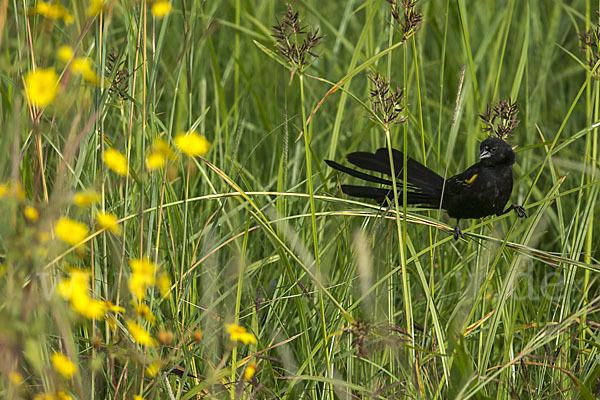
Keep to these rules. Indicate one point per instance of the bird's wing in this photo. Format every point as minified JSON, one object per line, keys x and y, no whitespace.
{"x":456,"y":184}
{"x":418,"y":174}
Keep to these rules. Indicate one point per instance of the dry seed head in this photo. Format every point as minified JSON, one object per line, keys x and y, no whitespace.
{"x":589,"y":44}
{"x":120,"y":81}
{"x":500,"y":118}
{"x":386,"y":104}
{"x":409,"y":20}
{"x":294,"y":41}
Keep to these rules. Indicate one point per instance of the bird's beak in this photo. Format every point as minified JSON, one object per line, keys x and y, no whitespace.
{"x":484,"y":154}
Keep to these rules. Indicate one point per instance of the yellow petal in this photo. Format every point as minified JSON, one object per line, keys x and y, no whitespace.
{"x":116,"y":161}
{"x":41,"y":86}
{"x":63,"y":365}
{"x":31,"y":213}
{"x":108,"y":221}
{"x":65,"y":53}
{"x":192,"y":143}
{"x":69,"y":231}
{"x":161,"y":8}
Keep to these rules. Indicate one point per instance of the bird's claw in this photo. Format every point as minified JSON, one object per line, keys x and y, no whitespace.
{"x":520,"y":210}
{"x":458,"y":233}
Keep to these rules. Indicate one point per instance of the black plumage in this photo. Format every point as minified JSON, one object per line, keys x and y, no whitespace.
{"x":482,"y":190}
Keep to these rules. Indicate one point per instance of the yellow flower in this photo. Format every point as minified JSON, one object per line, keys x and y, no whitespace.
{"x":140,"y":335}
{"x":142,"y":276}
{"x":161,"y":8}
{"x":137,"y":286}
{"x":85,"y":199}
{"x":45,"y":396}
{"x":41,"y":86}
{"x":144,"y":311}
{"x":239,"y":333}
{"x":69,"y":231}
{"x":162,"y":146}
{"x":95,"y":7}
{"x":52,"y":11}
{"x":152,"y":369}
{"x":89,"y":308}
{"x":75,"y":287}
{"x":76,"y":291}
{"x":155,"y":161}
{"x":51,"y":396}
{"x":144,"y":267}
{"x":31,"y":213}
{"x":157,"y":157}
{"x":114,"y":308}
{"x":137,"y":397}
{"x":46,"y":9}
{"x":115,"y":161}
{"x":63,"y":396}
{"x":164,"y":284}
{"x":249,"y":371}
{"x":4,"y":189}
{"x":68,"y":18}
{"x":192,"y":143}
{"x":65,"y":53}
{"x":15,"y":377}
{"x":108,"y":221}
{"x":63,"y":365}
{"x":83,"y":66}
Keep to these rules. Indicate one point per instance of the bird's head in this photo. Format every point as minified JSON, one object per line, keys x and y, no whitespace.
{"x":495,"y":151}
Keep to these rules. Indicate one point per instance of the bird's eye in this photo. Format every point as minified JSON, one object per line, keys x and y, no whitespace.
{"x":494,"y":148}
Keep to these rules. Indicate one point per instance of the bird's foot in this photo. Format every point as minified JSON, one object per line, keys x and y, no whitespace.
{"x":458,"y":233}
{"x":520,"y":211}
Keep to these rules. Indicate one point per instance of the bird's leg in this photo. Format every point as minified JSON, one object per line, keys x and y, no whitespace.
{"x":518,"y":209}
{"x":457,"y":231}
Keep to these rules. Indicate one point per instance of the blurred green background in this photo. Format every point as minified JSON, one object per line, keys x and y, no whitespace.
{"x":346,"y":300}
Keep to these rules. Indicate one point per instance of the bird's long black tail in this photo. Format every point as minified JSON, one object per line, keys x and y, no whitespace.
{"x":425,"y":186}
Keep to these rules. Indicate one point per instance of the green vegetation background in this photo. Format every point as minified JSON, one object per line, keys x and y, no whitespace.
{"x":341,"y":307}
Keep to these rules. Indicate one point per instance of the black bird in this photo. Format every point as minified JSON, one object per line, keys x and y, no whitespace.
{"x":482,"y":190}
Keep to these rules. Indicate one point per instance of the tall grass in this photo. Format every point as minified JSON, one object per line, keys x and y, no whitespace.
{"x":345,"y":299}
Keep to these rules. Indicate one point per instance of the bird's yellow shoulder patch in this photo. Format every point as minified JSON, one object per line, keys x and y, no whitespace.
{"x":471,"y":179}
